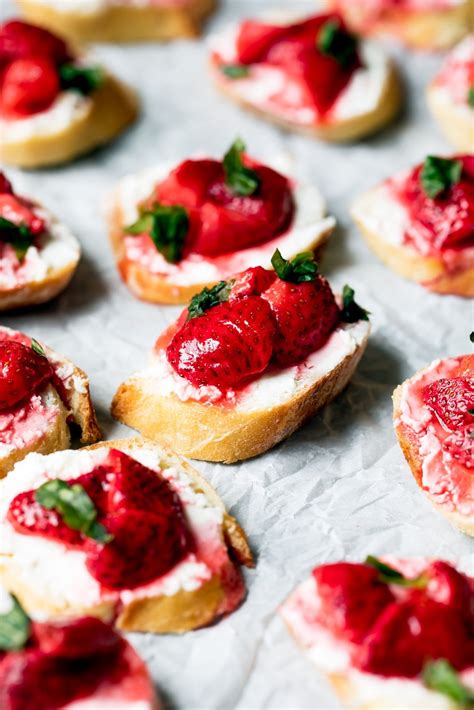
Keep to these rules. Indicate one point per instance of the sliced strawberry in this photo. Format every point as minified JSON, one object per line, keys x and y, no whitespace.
{"x":5,"y":185}
{"x":255,"y":39}
{"x":306,"y":314}
{"x":21,"y":40}
{"x":29,"y":86}
{"x":448,"y":586}
{"x":226,"y":346}
{"x":20,"y":213}
{"x":409,"y":633}
{"x":23,"y":373}
{"x":29,"y":517}
{"x":352,"y":598}
{"x":76,"y":639}
{"x":145,"y":546}
{"x":252,"y":282}
{"x":187,"y":185}
{"x":450,"y":400}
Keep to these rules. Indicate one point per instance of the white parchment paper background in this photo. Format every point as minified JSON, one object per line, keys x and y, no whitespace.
{"x":339,"y":488}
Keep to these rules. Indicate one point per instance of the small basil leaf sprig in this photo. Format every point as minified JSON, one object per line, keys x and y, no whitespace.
{"x":351,"y":311}
{"x":390,"y":575}
{"x":235,"y":71}
{"x":439,"y":174}
{"x":440,"y":676}
{"x":15,"y":628}
{"x":242,"y":181}
{"x":208,"y":298}
{"x":18,"y":235}
{"x":337,"y":43}
{"x":303,"y":267}
{"x":73,"y":504}
{"x":167,"y":226}
{"x":470,"y":96}
{"x":84,"y":80}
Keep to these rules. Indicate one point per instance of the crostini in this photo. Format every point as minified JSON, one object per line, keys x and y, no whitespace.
{"x":54,"y":104}
{"x":177,"y":229}
{"x":421,"y":223}
{"x":311,"y":76}
{"x":388,"y":633}
{"x":119,"y":20}
{"x":42,"y":396}
{"x":422,"y":24}
{"x":38,"y":254}
{"x":83,"y":664}
{"x":434,"y":423}
{"x":140,"y":538}
{"x":246,"y":363}
{"x":451,"y":96}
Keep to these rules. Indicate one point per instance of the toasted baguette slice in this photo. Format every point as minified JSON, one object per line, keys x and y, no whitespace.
{"x":266,"y":412}
{"x":411,"y":450}
{"x":438,"y":28}
{"x":178,"y":283}
{"x":97,"y":119}
{"x":358,"y":111}
{"x":381,"y":223}
{"x":115,"y":22}
{"x":54,"y":434}
{"x":175,"y":606}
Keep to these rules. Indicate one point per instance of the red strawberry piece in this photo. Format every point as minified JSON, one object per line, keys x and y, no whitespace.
{"x":352,"y":598}
{"x":450,"y":400}
{"x":20,"y":40}
{"x":252,"y":282}
{"x":306,"y":314}
{"x":23,"y":373}
{"x":460,"y":447}
{"x":76,"y":639}
{"x":255,"y":39}
{"x":145,"y":546}
{"x":187,"y":185}
{"x":225,"y":347}
{"x":408,"y":634}
{"x":5,"y":185}
{"x":20,"y":213}
{"x":448,"y":586}
{"x":29,"y":86}
{"x":29,"y":517}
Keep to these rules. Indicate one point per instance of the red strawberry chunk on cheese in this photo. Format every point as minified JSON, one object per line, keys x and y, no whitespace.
{"x":450,"y":399}
{"x":27,"y":516}
{"x":23,"y":373}
{"x":20,"y":40}
{"x":5,"y":185}
{"x":28,"y":86}
{"x":352,"y":598}
{"x":448,"y":586}
{"x":252,"y":282}
{"x":76,"y":639}
{"x":18,"y":211}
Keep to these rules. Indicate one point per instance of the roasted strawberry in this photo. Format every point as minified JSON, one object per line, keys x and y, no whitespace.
{"x":448,"y":586}
{"x":23,"y":373}
{"x":304,"y":307}
{"x":352,"y":598}
{"x":252,"y":282}
{"x":27,"y":516}
{"x":28,"y":86}
{"x":20,"y":40}
{"x":188,"y":184}
{"x":226,"y":346}
{"x":16,"y":211}
{"x":76,"y":639}
{"x":451,"y":400}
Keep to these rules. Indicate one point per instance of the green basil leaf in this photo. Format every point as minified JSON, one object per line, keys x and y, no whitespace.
{"x":167,"y":227}
{"x":73,"y":504}
{"x":389,"y":575}
{"x":302,"y":267}
{"x":37,"y":348}
{"x":242,"y":180}
{"x":15,"y":628}
{"x":439,"y":174}
{"x":470,"y":96}
{"x":235,"y":71}
{"x":335,"y":42}
{"x":351,"y":311}
{"x":208,"y":298}
{"x":84,"y":80}
{"x":440,"y":676}
{"x":19,"y":236}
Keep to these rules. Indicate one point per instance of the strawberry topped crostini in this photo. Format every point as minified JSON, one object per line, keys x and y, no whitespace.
{"x":71,"y":665}
{"x":311,"y":76}
{"x":38,"y":254}
{"x":177,"y":229}
{"x":434,"y":422}
{"x":421,"y":223}
{"x":42,"y":396}
{"x":423,"y":24}
{"x":389,"y":633}
{"x":247,"y":363}
{"x":81,"y":664}
{"x":451,"y":96}
{"x":140,"y":539}
{"x":54,"y":104}
{"x":119,"y":20}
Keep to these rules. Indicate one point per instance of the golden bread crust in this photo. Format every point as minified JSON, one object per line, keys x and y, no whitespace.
{"x":456,"y":122}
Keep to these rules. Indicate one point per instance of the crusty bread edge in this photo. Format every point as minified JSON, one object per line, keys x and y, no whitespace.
{"x":226,"y":434}
{"x":456,"y":124}
{"x":122,"y":23}
{"x":178,"y":613}
{"x":113,"y":106}
{"x":462,"y":522}
{"x":428,"y":271}
{"x":347,"y":130}
{"x":34,"y":293}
